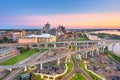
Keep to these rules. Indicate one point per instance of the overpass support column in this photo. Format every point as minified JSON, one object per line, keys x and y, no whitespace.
{"x":41,"y":66}
{"x":102,"y":49}
{"x":58,"y":61}
{"x":30,"y":45}
{"x":92,"y":53}
{"x":10,"y":69}
{"x":83,"y":55}
{"x":76,"y":47}
{"x":87,"y":44}
{"x":46,"y":45}
{"x":86,"y":55}
{"x":113,"y":47}
{"x":38,"y":45}
{"x":78,"y":56}
{"x":98,"y":52}
{"x":25,"y":69}
{"x":54,"y":45}
{"x":69,"y":58}
{"x":64,"y":45}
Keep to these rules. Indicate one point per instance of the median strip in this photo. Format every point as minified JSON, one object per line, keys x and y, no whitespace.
{"x":94,"y":73}
{"x":19,"y":57}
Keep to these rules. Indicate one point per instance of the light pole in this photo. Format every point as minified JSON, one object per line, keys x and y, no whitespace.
{"x":76,"y":44}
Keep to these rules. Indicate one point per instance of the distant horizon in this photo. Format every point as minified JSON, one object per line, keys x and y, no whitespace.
{"x":69,"y":13}
{"x":39,"y":27}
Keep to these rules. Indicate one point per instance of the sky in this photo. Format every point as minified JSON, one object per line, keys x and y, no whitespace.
{"x":15,"y":14}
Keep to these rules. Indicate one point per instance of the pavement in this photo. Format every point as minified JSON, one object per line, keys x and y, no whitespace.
{"x":7,"y":57}
{"x":76,"y":69}
{"x":14,"y":73}
{"x":109,"y":69}
{"x":51,"y":58}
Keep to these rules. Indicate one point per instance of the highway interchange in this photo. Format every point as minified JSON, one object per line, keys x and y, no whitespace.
{"x":33,"y":60}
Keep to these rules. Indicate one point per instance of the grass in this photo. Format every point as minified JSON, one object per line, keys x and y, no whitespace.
{"x":70,"y":67}
{"x":112,"y":55}
{"x":38,"y":77}
{"x":94,"y":77}
{"x":76,"y":58}
{"x":83,"y":38}
{"x":82,"y":65}
{"x":19,"y":57}
{"x":78,"y":76}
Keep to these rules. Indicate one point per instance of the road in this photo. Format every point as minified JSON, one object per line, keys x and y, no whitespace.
{"x":76,"y":69}
{"x":7,"y":57}
{"x":13,"y":74}
{"x":32,"y":58}
{"x":52,"y":58}
{"x":92,"y":41}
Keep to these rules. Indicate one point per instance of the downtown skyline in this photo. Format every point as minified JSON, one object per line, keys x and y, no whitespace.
{"x":71,"y":14}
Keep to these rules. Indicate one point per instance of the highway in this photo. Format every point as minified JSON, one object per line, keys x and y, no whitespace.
{"x":19,"y":45}
{"x":56,"y":57}
{"x":14,"y":73}
{"x":53,"y":58}
{"x":33,"y":60}
{"x":30,"y":59}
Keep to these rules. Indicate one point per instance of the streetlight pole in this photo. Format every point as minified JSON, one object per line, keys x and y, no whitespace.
{"x":76,"y":44}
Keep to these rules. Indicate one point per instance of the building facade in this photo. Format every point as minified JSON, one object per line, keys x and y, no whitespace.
{"x":18,"y":34}
{"x":46,"y":28}
{"x":38,"y":38}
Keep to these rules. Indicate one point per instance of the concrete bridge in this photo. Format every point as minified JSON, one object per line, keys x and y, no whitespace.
{"x":97,"y":47}
{"x":57,"y":44}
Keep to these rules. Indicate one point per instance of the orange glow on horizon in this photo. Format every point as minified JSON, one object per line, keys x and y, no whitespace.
{"x":103,"y":20}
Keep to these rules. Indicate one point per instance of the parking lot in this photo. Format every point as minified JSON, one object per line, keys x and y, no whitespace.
{"x":104,"y":66}
{"x":53,"y":67}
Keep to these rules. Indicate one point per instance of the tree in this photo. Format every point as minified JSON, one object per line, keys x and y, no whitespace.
{"x":5,"y":39}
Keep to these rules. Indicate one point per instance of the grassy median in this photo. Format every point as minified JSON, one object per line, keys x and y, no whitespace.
{"x":78,"y":76}
{"x":94,"y":77}
{"x":70,"y":68}
{"x":112,"y":55}
{"x":19,"y":57}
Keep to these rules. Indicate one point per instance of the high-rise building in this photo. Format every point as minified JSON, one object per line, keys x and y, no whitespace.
{"x":61,"y":28}
{"x":53,"y":31}
{"x":46,"y":28}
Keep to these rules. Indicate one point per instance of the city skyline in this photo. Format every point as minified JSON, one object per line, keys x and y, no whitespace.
{"x":71,"y":14}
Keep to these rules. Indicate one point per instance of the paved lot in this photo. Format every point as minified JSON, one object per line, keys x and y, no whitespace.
{"x":103,"y":65}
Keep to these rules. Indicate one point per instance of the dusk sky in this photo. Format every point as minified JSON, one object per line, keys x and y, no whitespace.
{"x":69,"y":13}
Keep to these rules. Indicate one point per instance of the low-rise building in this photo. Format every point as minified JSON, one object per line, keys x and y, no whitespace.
{"x":18,"y":34}
{"x":27,"y":40}
{"x":38,"y":38}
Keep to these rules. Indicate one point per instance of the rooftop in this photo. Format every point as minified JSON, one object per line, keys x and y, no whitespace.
{"x":40,"y":36}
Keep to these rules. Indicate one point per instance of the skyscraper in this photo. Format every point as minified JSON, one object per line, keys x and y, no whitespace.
{"x":46,"y":28}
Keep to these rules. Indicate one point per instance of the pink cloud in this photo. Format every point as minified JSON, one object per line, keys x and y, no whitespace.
{"x":70,"y":20}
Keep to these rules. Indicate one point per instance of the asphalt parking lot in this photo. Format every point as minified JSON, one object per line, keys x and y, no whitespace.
{"x":103,"y":65}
